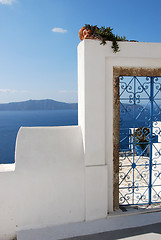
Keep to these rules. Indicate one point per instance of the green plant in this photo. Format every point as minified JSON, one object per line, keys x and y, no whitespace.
{"x":105,"y":34}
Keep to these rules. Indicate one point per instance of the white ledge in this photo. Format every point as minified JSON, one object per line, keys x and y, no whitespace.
{"x":7,"y":167}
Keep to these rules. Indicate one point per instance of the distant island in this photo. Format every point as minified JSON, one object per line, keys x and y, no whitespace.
{"x":45,"y":104}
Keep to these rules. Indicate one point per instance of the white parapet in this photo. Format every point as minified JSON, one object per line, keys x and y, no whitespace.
{"x":47,"y":186}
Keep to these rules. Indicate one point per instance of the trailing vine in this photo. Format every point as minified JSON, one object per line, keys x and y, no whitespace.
{"x":105,"y":34}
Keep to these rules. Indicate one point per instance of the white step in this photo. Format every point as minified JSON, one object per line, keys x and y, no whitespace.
{"x":92,"y":227}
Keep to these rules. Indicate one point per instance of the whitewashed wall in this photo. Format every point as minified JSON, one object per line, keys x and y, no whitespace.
{"x":95,"y":102}
{"x":47,"y":186}
{"x":65,"y":174}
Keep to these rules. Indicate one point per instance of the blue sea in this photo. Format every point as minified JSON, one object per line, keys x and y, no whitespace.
{"x":11,"y":121}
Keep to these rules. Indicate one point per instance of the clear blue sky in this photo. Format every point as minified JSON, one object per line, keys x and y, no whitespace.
{"x":38,"y":63}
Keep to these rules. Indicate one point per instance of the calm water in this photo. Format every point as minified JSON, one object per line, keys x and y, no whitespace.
{"x":11,"y":121}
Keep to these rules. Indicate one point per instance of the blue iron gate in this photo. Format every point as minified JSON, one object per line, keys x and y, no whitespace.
{"x":140,"y":138}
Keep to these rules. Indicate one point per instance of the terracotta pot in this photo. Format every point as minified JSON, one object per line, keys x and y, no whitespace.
{"x":84,"y":34}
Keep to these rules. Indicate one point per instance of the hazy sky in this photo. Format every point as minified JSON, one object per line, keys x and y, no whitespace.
{"x":39,"y":38}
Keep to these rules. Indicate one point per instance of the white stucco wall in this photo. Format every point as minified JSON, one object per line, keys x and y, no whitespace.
{"x":47,"y":186}
{"x":95,"y":97}
{"x":65,"y":174}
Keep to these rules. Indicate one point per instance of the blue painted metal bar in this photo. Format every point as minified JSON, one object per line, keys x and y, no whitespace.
{"x":150,"y":137}
{"x":134,"y":140}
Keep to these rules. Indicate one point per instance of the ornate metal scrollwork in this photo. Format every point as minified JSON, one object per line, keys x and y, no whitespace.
{"x":140,"y":136}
